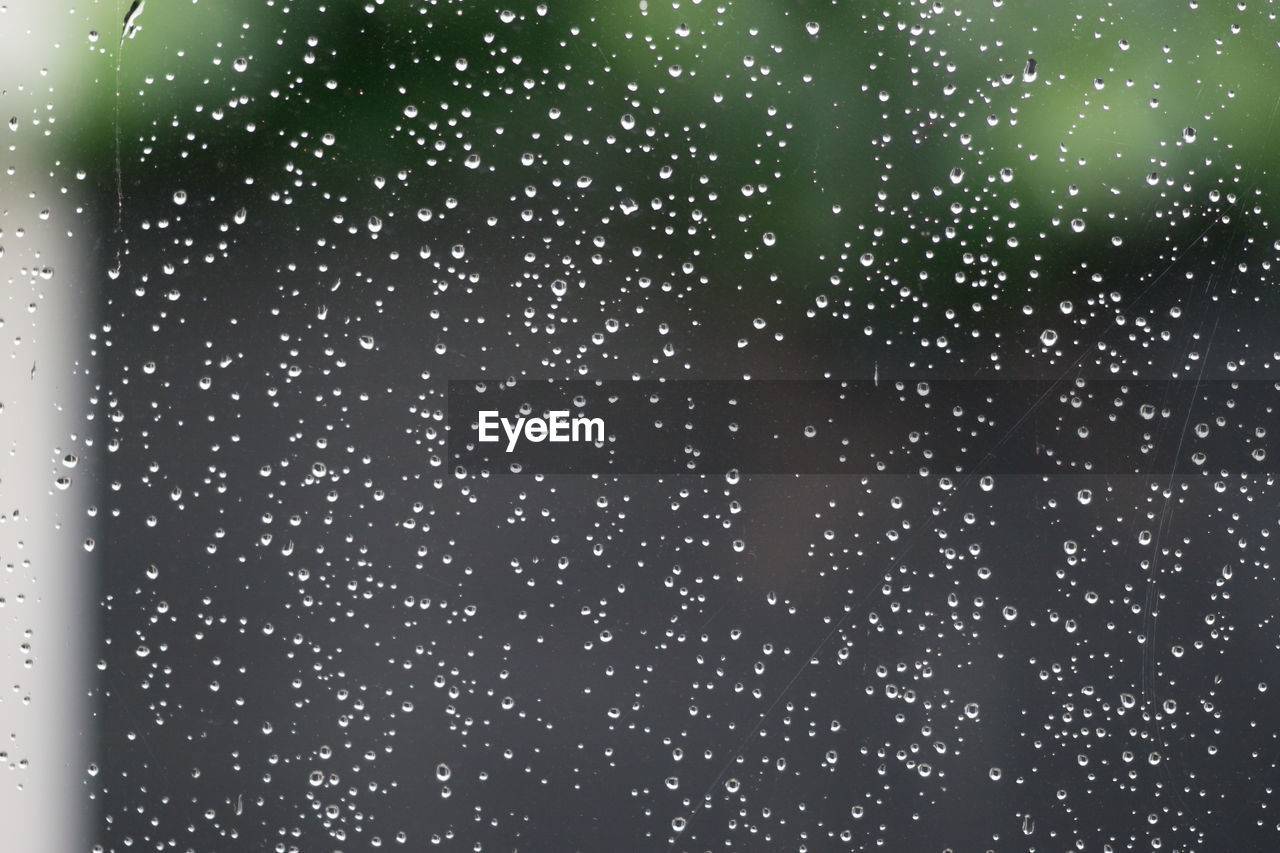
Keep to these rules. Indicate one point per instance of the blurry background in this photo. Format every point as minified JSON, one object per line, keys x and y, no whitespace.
{"x":274,"y":232}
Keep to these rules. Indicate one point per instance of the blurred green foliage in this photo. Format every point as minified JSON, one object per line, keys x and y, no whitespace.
{"x":904,"y":132}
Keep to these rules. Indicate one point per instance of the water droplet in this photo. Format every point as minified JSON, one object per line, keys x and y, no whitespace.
{"x":241,"y":64}
{"x":180,"y":197}
{"x":812,"y":28}
{"x":1048,"y":337}
{"x":443,"y":772}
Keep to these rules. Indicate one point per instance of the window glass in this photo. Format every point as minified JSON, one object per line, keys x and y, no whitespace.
{"x":935,"y":357}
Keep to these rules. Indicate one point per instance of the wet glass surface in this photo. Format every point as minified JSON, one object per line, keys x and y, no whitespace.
{"x":984,"y":566}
